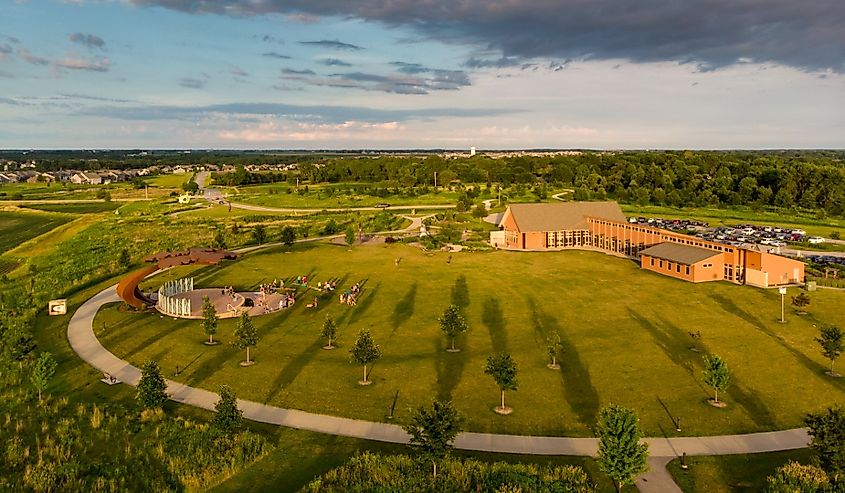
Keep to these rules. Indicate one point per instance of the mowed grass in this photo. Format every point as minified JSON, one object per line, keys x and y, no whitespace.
{"x":624,"y":333}
{"x":276,"y":195}
{"x":79,"y":208}
{"x":168,"y":181}
{"x":744,"y":473}
{"x":18,"y":227}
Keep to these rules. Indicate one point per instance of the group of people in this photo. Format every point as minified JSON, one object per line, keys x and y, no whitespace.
{"x":287,"y":300}
{"x":349,"y":297}
{"x":229,"y":291}
{"x":327,"y":287}
{"x":302,"y":280}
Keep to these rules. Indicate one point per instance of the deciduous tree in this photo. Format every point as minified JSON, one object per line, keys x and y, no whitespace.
{"x":209,"y":319}
{"x":42,"y":372}
{"x":621,"y":455}
{"x":716,"y":375}
{"x":329,"y":331}
{"x":228,"y":418}
{"x":793,"y":477}
{"x":452,"y":323}
{"x":827,"y":430}
{"x":364,"y":352}
{"x":245,"y":336}
{"x":259,"y":234}
{"x":433,"y":430}
{"x":151,"y":391}
{"x":503,"y":369}
{"x":830,"y":341}
{"x":288,"y":236}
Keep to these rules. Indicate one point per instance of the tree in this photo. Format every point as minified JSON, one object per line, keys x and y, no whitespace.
{"x":151,"y":391}
{"x":42,"y":372}
{"x":827,"y":430}
{"x":288,"y":236}
{"x":350,"y":235}
{"x":503,"y":370}
{"x":433,"y":430}
{"x":329,"y":331}
{"x":831,"y":342}
{"x":124,"y":260}
{"x":209,"y":319}
{"x":452,"y":323}
{"x":228,"y":419}
{"x":716,"y":376}
{"x":552,"y":348}
{"x":245,"y":336}
{"x":259,"y":234}
{"x":219,"y":240}
{"x":621,"y":455}
{"x":800,"y":301}
{"x":364,"y":352}
{"x":793,"y":477}
{"x":479,"y":211}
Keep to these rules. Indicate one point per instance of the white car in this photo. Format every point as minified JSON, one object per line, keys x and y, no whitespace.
{"x":815,"y":240}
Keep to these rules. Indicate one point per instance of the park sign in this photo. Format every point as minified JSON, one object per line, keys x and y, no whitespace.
{"x":57,"y":307}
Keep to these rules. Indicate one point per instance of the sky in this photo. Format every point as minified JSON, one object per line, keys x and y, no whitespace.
{"x":422,"y":74}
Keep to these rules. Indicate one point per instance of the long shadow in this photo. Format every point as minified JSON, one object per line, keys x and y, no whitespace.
{"x":494,"y":319}
{"x":731,"y":307}
{"x":675,"y":345}
{"x":213,"y":364}
{"x":460,"y":292}
{"x":405,"y":307}
{"x":450,"y":368}
{"x":293,"y":369}
{"x":362,"y":306}
{"x":156,"y":335}
{"x":578,"y":388}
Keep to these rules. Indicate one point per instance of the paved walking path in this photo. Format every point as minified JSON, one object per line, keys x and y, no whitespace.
{"x":85,"y":343}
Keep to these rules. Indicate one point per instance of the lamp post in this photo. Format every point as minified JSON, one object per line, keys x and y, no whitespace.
{"x":782,"y":292}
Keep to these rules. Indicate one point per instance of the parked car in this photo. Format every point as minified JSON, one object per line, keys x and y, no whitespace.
{"x":815,"y":240}
{"x":382,"y":205}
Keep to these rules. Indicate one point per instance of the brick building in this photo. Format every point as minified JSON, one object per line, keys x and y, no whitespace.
{"x":602,"y":226}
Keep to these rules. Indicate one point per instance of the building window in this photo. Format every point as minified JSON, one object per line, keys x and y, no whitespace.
{"x":652,"y":261}
{"x":688,"y":270}
{"x":661,"y":264}
{"x":677,"y":267}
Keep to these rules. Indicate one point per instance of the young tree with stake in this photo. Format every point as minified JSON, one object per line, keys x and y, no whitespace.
{"x":621,"y":455}
{"x":329,"y":331}
{"x":42,"y":372}
{"x":503,"y":370}
{"x":433,"y":430}
{"x":452,"y":323}
{"x":209,"y":320}
{"x":245,"y":336}
{"x":800,"y":302}
{"x":151,"y":391}
{"x":831,"y":342}
{"x":364,"y":352}
{"x":552,"y":348}
{"x":716,"y":376}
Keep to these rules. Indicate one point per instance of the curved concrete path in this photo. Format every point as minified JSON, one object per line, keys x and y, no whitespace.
{"x":85,"y":343}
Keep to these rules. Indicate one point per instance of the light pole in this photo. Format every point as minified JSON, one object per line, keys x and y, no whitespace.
{"x":782,"y":292}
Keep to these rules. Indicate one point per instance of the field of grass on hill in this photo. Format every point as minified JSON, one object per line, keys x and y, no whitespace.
{"x":18,"y":227}
{"x":78,"y":208}
{"x":624,"y":339}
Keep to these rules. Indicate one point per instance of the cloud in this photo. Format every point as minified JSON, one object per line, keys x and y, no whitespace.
{"x":238,"y":72}
{"x":709,"y":34}
{"x":30,"y":58}
{"x":94,"y":98}
{"x":302,"y":113}
{"x":410,"y":68}
{"x":273,"y":54}
{"x":274,"y":132}
{"x":5,"y":49}
{"x":100,"y":65}
{"x":90,"y":41}
{"x":269,"y":38}
{"x":10,"y":39}
{"x":192,"y":83}
{"x":336,"y":45}
{"x":303,"y":18}
{"x":294,"y":72}
{"x":12,"y":102}
{"x":334,"y":62}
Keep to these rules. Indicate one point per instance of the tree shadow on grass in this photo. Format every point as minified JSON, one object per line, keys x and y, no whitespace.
{"x":363,"y":305}
{"x":460,"y":292}
{"x":405,"y":307}
{"x":578,"y":388}
{"x":494,"y":319}
{"x":212,"y":365}
{"x":158,"y":334}
{"x":293,"y":368}
{"x":450,"y":368}
{"x":731,"y":307}
{"x":752,"y":404}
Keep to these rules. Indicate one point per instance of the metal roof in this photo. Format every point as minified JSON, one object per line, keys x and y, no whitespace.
{"x":562,"y":216}
{"x":682,"y":254}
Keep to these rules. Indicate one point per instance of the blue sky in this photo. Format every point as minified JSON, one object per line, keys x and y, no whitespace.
{"x":402,"y":73}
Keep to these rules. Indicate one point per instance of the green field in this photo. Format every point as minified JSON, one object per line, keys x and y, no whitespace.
{"x":744,"y":473}
{"x":18,"y":227}
{"x":624,"y":336}
{"x":168,"y":181}
{"x":284,"y":195}
{"x":79,"y":208}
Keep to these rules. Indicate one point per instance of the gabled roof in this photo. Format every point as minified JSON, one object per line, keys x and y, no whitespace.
{"x":563,"y":215}
{"x":682,"y":254}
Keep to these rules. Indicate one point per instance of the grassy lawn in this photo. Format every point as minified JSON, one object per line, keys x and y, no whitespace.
{"x":624,"y":334}
{"x":18,"y":227}
{"x":82,"y":208}
{"x":168,"y":181}
{"x":732,"y":473}
{"x":727,"y":217}
{"x":276,"y":195}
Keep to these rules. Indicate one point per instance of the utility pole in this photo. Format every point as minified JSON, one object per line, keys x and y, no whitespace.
{"x":782,"y":292}
{"x":435,"y":179}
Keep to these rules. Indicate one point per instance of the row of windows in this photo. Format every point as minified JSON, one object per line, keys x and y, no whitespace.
{"x":669,"y":266}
